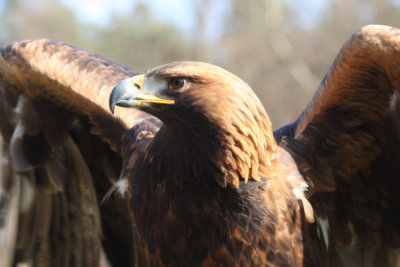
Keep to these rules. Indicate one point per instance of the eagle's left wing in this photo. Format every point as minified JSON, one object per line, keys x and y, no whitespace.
{"x":346,"y":145}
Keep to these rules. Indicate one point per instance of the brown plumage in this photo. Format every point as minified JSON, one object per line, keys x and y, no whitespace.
{"x":209,"y":182}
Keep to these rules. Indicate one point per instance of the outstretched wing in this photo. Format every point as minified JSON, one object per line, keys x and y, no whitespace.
{"x":346,"y":144}
{"x":60,"y":155}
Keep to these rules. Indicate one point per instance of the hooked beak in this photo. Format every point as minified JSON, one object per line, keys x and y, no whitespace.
{"x":129,"y":93}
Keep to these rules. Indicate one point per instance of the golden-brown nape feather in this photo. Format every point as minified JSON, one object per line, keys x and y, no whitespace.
{"x":228,"y":103}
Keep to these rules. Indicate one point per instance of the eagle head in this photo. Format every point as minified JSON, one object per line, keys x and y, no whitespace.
{"x":204,"y":102}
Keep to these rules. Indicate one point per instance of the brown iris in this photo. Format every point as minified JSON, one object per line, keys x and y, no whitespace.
{"x":176,"y":83}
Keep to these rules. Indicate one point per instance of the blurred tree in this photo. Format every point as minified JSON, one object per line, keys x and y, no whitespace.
{"x":141,"y":41}
{"x":255,"y":36}
{"x":39,"y":19}
{"x":266,"y":44}
{"x":201,"y":48}
{"x":136,"y":39}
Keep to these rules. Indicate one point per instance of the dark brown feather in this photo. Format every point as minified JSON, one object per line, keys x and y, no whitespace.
{"x":346,"y":144}
{"x":208,"y":186}
{"x":211,"y":187}
{"x":54,"y":126}
{"x":186,"y":189}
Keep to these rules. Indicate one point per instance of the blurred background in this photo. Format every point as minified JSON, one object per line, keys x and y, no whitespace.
{"x":282,"y":48}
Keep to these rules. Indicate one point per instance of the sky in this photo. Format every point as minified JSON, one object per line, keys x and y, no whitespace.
{"x":99,"y":11}
{"x":179,"y":12}
{"x":309,"y":11}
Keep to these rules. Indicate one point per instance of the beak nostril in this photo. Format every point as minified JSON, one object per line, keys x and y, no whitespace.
{"x":138,"y":86}
{"x":137,"y":82}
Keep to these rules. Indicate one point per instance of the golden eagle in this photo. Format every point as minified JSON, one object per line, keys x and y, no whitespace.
{"x":202,"y":177}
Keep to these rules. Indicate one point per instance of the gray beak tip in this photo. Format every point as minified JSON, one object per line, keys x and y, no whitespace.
{"x":115,"y":96}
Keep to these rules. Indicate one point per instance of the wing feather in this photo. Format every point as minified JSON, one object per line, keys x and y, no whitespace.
{"x":346,"y":145}
{"x":64,"y":75}
{"x":60,"y":154}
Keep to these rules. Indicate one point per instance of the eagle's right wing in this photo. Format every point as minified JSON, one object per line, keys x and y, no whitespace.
{"x":60,"y":155}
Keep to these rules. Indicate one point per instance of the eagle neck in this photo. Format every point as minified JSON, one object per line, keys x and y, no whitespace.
{"x":187,"y":156}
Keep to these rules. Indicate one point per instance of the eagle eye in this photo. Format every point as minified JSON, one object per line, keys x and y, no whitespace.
{"x":176,"y":83}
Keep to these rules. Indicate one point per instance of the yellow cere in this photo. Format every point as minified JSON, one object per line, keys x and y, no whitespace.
{"x":138,"y":81}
